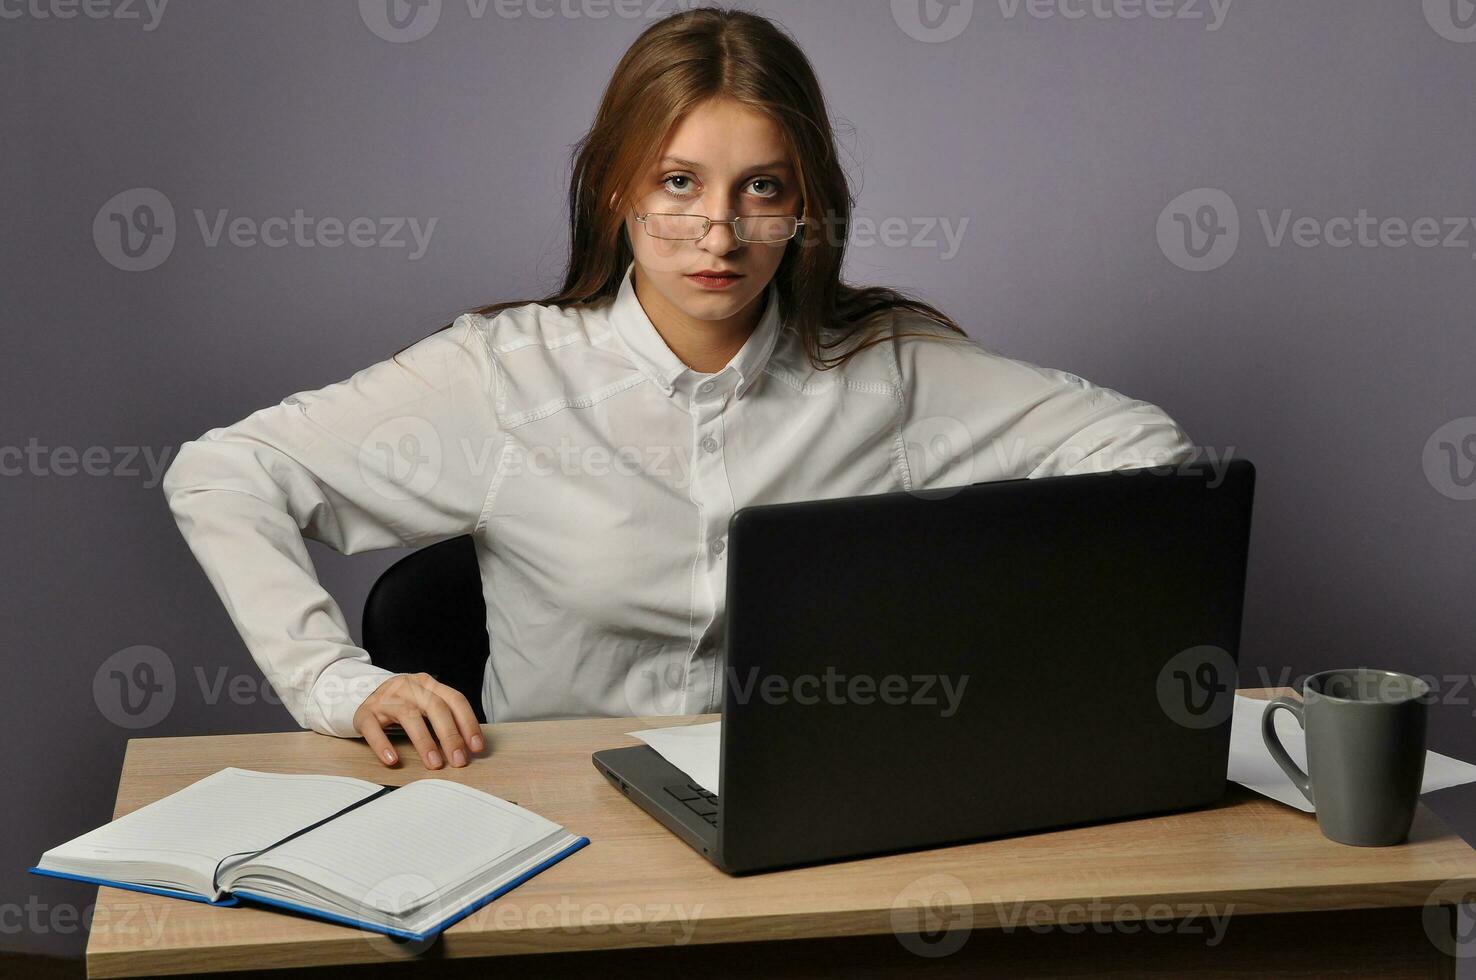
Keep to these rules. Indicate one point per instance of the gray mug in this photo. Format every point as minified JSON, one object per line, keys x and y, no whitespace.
{"x":1365,"y":751}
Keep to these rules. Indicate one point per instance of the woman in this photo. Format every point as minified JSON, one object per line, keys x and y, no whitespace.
{"x":702,"y":355}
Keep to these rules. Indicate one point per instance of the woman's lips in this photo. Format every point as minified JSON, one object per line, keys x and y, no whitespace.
{"x":715,"y":282}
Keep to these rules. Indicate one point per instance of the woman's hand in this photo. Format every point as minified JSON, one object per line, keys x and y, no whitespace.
{"x":408,"y":700}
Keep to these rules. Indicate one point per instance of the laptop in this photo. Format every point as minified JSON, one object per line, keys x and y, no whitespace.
{"x":914,"y":669}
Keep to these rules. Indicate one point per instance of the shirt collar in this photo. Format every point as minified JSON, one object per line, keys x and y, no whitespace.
{"x":658,"y":361}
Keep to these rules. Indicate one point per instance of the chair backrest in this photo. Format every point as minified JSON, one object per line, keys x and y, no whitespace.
{"x":426,"y":613}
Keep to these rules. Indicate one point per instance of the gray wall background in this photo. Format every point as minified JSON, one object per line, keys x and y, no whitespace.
{"x":1058,"y":145}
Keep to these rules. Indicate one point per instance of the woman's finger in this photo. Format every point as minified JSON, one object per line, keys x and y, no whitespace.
{"x":377,"y":740}
{"x":466,"y":718}
{"x":408,"y":715}
{"x":444,"y":723}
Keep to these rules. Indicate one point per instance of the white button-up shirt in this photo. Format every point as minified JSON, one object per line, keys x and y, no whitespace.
{"x":596,"y":473}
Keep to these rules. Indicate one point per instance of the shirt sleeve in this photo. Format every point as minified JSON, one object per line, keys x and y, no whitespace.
{"x":970,"y":415}
{"x":399,"y":454}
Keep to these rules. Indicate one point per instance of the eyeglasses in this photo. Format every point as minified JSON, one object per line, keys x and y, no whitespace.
{"x":751,"y":228}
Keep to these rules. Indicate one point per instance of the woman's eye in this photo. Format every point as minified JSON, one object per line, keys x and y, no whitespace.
{"x":684,"y":189}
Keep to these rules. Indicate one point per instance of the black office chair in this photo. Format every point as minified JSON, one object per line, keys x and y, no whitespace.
{"x":426,"y":613}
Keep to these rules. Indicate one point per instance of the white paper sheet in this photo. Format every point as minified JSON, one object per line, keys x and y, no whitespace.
{"x":694,"y":750}
{"x":691,"y":748}
{"x":1251,"y":764}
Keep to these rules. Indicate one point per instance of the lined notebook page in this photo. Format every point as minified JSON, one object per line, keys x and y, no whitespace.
{"x":423,"y":838}
{"x":228,"y":811}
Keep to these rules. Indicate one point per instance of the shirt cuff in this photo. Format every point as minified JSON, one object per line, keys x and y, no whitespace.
{"x":339,"y":691}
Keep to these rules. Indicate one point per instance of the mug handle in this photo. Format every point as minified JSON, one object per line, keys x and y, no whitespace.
{"x":1268,"y":734}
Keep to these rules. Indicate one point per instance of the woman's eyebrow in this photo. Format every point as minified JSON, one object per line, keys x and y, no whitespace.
{"x":692,"y":165}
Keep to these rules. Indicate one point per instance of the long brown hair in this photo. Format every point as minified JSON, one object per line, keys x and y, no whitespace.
{"x":679,"y":62}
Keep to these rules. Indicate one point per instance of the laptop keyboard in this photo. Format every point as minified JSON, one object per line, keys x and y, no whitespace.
{"x":697,"y":799}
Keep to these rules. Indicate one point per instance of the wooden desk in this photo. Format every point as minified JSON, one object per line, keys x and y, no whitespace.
{"x":1126,"y":898}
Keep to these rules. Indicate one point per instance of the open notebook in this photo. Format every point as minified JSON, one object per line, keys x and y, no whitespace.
{"x":406,"y":861}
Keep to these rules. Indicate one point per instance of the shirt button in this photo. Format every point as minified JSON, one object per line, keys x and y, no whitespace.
{"x":707,"y":386}
{"x":718,"y":546}
{"x":709,"y":444}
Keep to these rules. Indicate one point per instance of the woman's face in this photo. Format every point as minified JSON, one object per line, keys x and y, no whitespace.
{"x":722,"y":160}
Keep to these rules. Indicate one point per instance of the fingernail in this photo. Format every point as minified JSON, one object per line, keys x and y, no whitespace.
{"x":389,"y":757}
{"x":458,"y":757}
{"x":477,"y":742}
{"x":435,"y":759}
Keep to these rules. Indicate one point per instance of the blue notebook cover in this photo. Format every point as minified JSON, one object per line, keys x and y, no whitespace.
{"x":436,"y":929}
{"x":235,"y":898}
{"x":229,"y":900}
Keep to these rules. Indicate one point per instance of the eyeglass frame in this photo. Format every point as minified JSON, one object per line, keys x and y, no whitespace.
{"x":799,"y":221}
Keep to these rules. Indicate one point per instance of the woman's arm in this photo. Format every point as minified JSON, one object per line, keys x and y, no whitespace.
{"x":399,"y":454}
{"x":971,"y":416}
